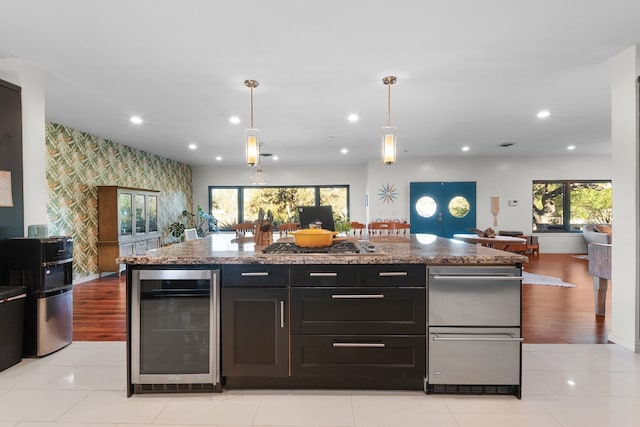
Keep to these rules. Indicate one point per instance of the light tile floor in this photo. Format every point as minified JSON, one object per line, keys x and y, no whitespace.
{"x":83,"y":385}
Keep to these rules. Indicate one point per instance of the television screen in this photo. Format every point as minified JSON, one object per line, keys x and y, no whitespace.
{"x":316,"y":214}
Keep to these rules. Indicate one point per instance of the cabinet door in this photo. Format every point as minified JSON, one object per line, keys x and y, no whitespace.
{"x":126,"y":213}
{"x":255,"y":338}
{"x":152,"y":212}
{"x":140,"y":213}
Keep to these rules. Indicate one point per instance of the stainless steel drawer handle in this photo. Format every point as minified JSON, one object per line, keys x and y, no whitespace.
{"x":478,"y":338}
{"x":392,"y":273}
{"x":359,"y":345}
{"x":354,"y":296}
{"x":281,"y":314}
{"x":255,"y":274}
{"x":323,"y":274}
{"x":438,"y":277}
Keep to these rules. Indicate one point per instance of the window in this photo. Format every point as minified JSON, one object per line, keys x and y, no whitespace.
{"x":233,"y":205}
{"x":565,"y":206}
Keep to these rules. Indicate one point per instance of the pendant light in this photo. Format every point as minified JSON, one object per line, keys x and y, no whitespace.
{"x":251,"y":134}
{"x":259,"y":178}
{"x":389,"y":133}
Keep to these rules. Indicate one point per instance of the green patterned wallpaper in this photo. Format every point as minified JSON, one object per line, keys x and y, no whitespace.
{"x":77,"y":162}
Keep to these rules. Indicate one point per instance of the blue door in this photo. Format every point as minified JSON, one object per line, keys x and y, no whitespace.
{"x":442,"y":208}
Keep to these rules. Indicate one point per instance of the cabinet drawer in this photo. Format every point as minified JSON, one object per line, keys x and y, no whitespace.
{"x":324,"y":275}
{"x":488,"y":356}
{"x":254,"y":275}
{"x":357,"y":356}
{"x":474,"y":296}
{"x":393,"y":275}
{"x":141,"y":247}
{"x":358,"y":311}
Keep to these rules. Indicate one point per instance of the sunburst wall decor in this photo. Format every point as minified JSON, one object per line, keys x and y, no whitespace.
{"x":388,"y":193}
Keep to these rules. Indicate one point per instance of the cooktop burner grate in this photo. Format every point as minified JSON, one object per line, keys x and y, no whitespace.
{"x":292,"y":248}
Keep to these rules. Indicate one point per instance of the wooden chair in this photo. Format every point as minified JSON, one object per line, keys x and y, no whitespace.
{"x":401,"y":228}
{"x":357,"y":228}
{"x":380,"y":228}
{"x":287,"y":227}
{"x":243,"y":228}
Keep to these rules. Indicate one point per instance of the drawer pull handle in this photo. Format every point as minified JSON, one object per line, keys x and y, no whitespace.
{"x":255,"y":274}
{"x":323,"y":274}
{"x":359,"y":345}
{"x":281,"y":313}
{"x":439,"y":277}
{"x":392,"y":273}
{"x":505,"y":337}
{"x":352,"y":296}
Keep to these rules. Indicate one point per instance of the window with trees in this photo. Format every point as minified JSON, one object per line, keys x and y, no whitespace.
{"x":233,"y":205}
{"x":565,"y":206}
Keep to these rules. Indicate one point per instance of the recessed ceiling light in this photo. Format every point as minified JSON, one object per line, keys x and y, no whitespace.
{"x":193,"y":147}
{"x":465,"y":148}
{"x":276,"y":158}
{"x":218,"y":158}
{"x":353,"y":117}
{"x":136,"y":120}
{"x":344,"y":151}
{"x":543,"y":114}
{"x":571,"y":147}
{"x":234,"y":119}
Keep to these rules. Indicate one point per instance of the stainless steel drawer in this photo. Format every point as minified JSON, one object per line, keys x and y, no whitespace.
{"x":474,"y":296}
{"x":488,"y":356}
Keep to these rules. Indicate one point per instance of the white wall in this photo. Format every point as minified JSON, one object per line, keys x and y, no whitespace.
{"x":625,"y":323}
{"x":31,"y":80}
{"x":509,"y":178}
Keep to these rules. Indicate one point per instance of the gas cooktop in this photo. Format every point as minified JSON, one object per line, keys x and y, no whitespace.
{"x":337,"y":248}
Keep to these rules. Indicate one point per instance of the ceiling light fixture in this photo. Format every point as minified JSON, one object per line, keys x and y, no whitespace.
{"x":193,"y":147}
{"x":259,"y":177}
{"x":136,"y":120}
{"x":251,"y":134}
{"x":466,"y":148}
{"x":389,"y":133}
{"x":571,"y":147}
{"x":543,"y":114}
{"x":234,"y":119}
{"x":352,"y":117}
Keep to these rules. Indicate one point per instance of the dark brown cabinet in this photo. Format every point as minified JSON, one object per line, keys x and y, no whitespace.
{"x":358,"y":325}
{"x":255,"y":324}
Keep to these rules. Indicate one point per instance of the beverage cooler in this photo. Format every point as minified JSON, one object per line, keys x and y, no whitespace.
{"x":44,"y":266}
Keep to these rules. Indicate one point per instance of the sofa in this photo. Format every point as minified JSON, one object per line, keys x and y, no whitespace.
{"x":597,"y":233}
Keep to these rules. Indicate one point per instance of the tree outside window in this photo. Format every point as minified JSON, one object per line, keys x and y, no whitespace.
{"x":565,"y":206}
{"x":232,"y":205}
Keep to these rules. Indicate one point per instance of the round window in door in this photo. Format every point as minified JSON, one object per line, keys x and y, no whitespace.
{"x":426,"y":206}
{"x":459,"y":207}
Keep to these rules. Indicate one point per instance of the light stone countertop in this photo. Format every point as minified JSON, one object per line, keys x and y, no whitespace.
{"x":224,"y":248}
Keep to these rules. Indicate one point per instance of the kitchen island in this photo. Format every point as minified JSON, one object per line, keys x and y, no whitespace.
{"x":417,"y":313}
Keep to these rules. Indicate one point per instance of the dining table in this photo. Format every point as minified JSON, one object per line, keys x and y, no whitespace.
{"x":504,"y":242}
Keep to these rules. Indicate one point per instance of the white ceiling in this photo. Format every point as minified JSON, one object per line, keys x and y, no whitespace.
{"x":469,"y":72}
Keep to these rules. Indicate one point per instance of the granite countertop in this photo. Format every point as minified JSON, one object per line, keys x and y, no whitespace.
{"x":416,"y":249}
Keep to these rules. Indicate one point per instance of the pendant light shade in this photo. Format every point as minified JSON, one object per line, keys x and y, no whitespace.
{"x":252,"y":145}
{"x":389,"y":133}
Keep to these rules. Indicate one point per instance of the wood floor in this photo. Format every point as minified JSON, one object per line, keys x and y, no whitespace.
{"x":550,"y":314}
